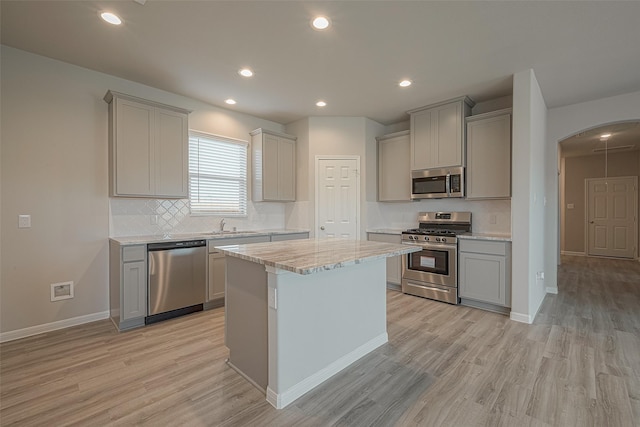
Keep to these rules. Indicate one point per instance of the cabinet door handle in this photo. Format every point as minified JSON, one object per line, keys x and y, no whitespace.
{"x":322,"y":227}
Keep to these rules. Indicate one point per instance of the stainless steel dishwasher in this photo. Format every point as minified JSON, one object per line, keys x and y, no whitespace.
{"x":177,"y":279}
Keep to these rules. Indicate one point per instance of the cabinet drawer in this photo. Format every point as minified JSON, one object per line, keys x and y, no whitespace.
{"x":483,"y":247}
{"x":134,"y":253}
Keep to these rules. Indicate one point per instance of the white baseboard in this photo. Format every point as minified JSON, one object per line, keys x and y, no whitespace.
{"x":551,"y":290}
{"x":573,"y":253}
{"x":53,"y":326}
{"x":519,"y":317}
{"x":280,"y":400}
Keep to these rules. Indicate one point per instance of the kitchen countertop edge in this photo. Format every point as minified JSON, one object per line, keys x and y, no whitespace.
{"x":305,"y":250}
{"x":397,"y":231}
{"x":143,"y":240}
{"x":485,"y":236}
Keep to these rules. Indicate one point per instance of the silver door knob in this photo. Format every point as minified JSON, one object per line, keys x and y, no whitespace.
{"x":322,"y":227}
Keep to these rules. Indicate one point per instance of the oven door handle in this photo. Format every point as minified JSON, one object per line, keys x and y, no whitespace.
{"x":432,"y":247}
{"x":435,"y":289}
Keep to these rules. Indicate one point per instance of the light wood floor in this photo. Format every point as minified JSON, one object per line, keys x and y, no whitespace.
{"x":577,"y":365}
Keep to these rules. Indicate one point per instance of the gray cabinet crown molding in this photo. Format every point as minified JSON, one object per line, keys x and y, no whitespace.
{"x":272,"y":132}
{"x":111,"y":94}
{"x":393,"y":135}
{"x":470,"y":102}
{"x":488,"y":115}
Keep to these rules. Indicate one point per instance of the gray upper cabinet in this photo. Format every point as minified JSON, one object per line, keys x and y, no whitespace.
{"x":394,"y":174}
{"x":438,"y":134}
{"x":148,"y":148}
{"x":274,"y":166}
{"x":489,"y":155}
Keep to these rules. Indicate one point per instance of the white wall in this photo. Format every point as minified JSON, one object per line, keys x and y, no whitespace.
{"x":564,"y":122}
{"x":334,"y":136}
{"x":54,"y":167}
{"x":528,"y":199}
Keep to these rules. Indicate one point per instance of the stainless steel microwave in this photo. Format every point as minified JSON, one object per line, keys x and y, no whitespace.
{"x":437,"y":183}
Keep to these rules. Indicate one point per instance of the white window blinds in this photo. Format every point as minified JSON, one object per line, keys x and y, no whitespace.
{"x":217,"y":175}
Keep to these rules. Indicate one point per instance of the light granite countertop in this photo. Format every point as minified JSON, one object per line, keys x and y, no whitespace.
{"x":143,"y":240}
{"x":386,"y":230}
{"x":485,"y":236}
{"x":312,"y":256}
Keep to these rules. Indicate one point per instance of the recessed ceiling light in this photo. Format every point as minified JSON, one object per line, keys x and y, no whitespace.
{"x":230,"y":101}
{"x":405,"y":83}
{"x":111,"y":18}
{"x":321,"y":104}
{"x":320,"y":23}
{"x":605,"y":135}
{"x":245,"y":72}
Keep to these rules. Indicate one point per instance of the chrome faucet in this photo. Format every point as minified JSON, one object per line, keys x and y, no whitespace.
{"x":222,"y":225}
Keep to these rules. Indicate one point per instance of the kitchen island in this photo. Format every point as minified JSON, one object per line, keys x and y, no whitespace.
{"x":298,"y":312}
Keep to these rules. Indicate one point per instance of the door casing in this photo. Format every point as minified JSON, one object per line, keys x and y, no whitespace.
{"x":317,"y":192}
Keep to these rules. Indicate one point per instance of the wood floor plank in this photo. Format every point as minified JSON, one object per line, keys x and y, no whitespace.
{"x":444,"y":365}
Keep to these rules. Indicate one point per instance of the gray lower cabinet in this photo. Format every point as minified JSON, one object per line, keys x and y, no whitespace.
{"x":217,"y":263}
{"x":292,"y":236}
{"x":394,"y":264}
{"x":485,"y":274}
{"x":127,"y":285}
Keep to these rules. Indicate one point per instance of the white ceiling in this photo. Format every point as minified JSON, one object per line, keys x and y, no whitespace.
{"x":624,"y":137}
{"x":579,"y":50}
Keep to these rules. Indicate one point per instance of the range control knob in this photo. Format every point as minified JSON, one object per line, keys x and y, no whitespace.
{"x":426,"y":238}
{"x":437,"y":239}
{"x":443,"y":240}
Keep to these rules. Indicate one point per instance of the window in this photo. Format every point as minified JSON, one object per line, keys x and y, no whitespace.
{"x":217,"y":175}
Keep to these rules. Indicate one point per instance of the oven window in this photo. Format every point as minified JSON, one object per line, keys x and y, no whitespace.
{"x":430,"y":261}
{"x":430,"y":185}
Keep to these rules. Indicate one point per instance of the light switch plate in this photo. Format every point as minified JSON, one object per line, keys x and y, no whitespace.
{"x":24,"y":221}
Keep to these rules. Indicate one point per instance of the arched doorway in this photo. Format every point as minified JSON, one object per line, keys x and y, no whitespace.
{"x":598,"y":192}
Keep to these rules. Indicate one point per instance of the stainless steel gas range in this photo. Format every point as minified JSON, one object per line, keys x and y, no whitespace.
{"x":433,"y":271}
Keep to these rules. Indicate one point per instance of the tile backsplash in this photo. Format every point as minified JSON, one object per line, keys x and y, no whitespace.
{"x":488,"y":216}
{"x":135,"y":217}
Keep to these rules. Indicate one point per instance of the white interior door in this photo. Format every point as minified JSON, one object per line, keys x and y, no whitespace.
{"x":612,"y":216}
{"x":337,"y":197}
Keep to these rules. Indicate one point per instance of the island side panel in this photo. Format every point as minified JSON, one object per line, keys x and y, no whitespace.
{"x":323,"y":322}
{"x":246,"y":319}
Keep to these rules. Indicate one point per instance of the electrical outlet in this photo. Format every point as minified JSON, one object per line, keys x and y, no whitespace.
{"x":493,"y":219}
{"x":273,"y":298}
{"x":154,"y":219}
{"x":24,"y":221}
{"x":540,"y":275}
{"x":62,"y":290}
